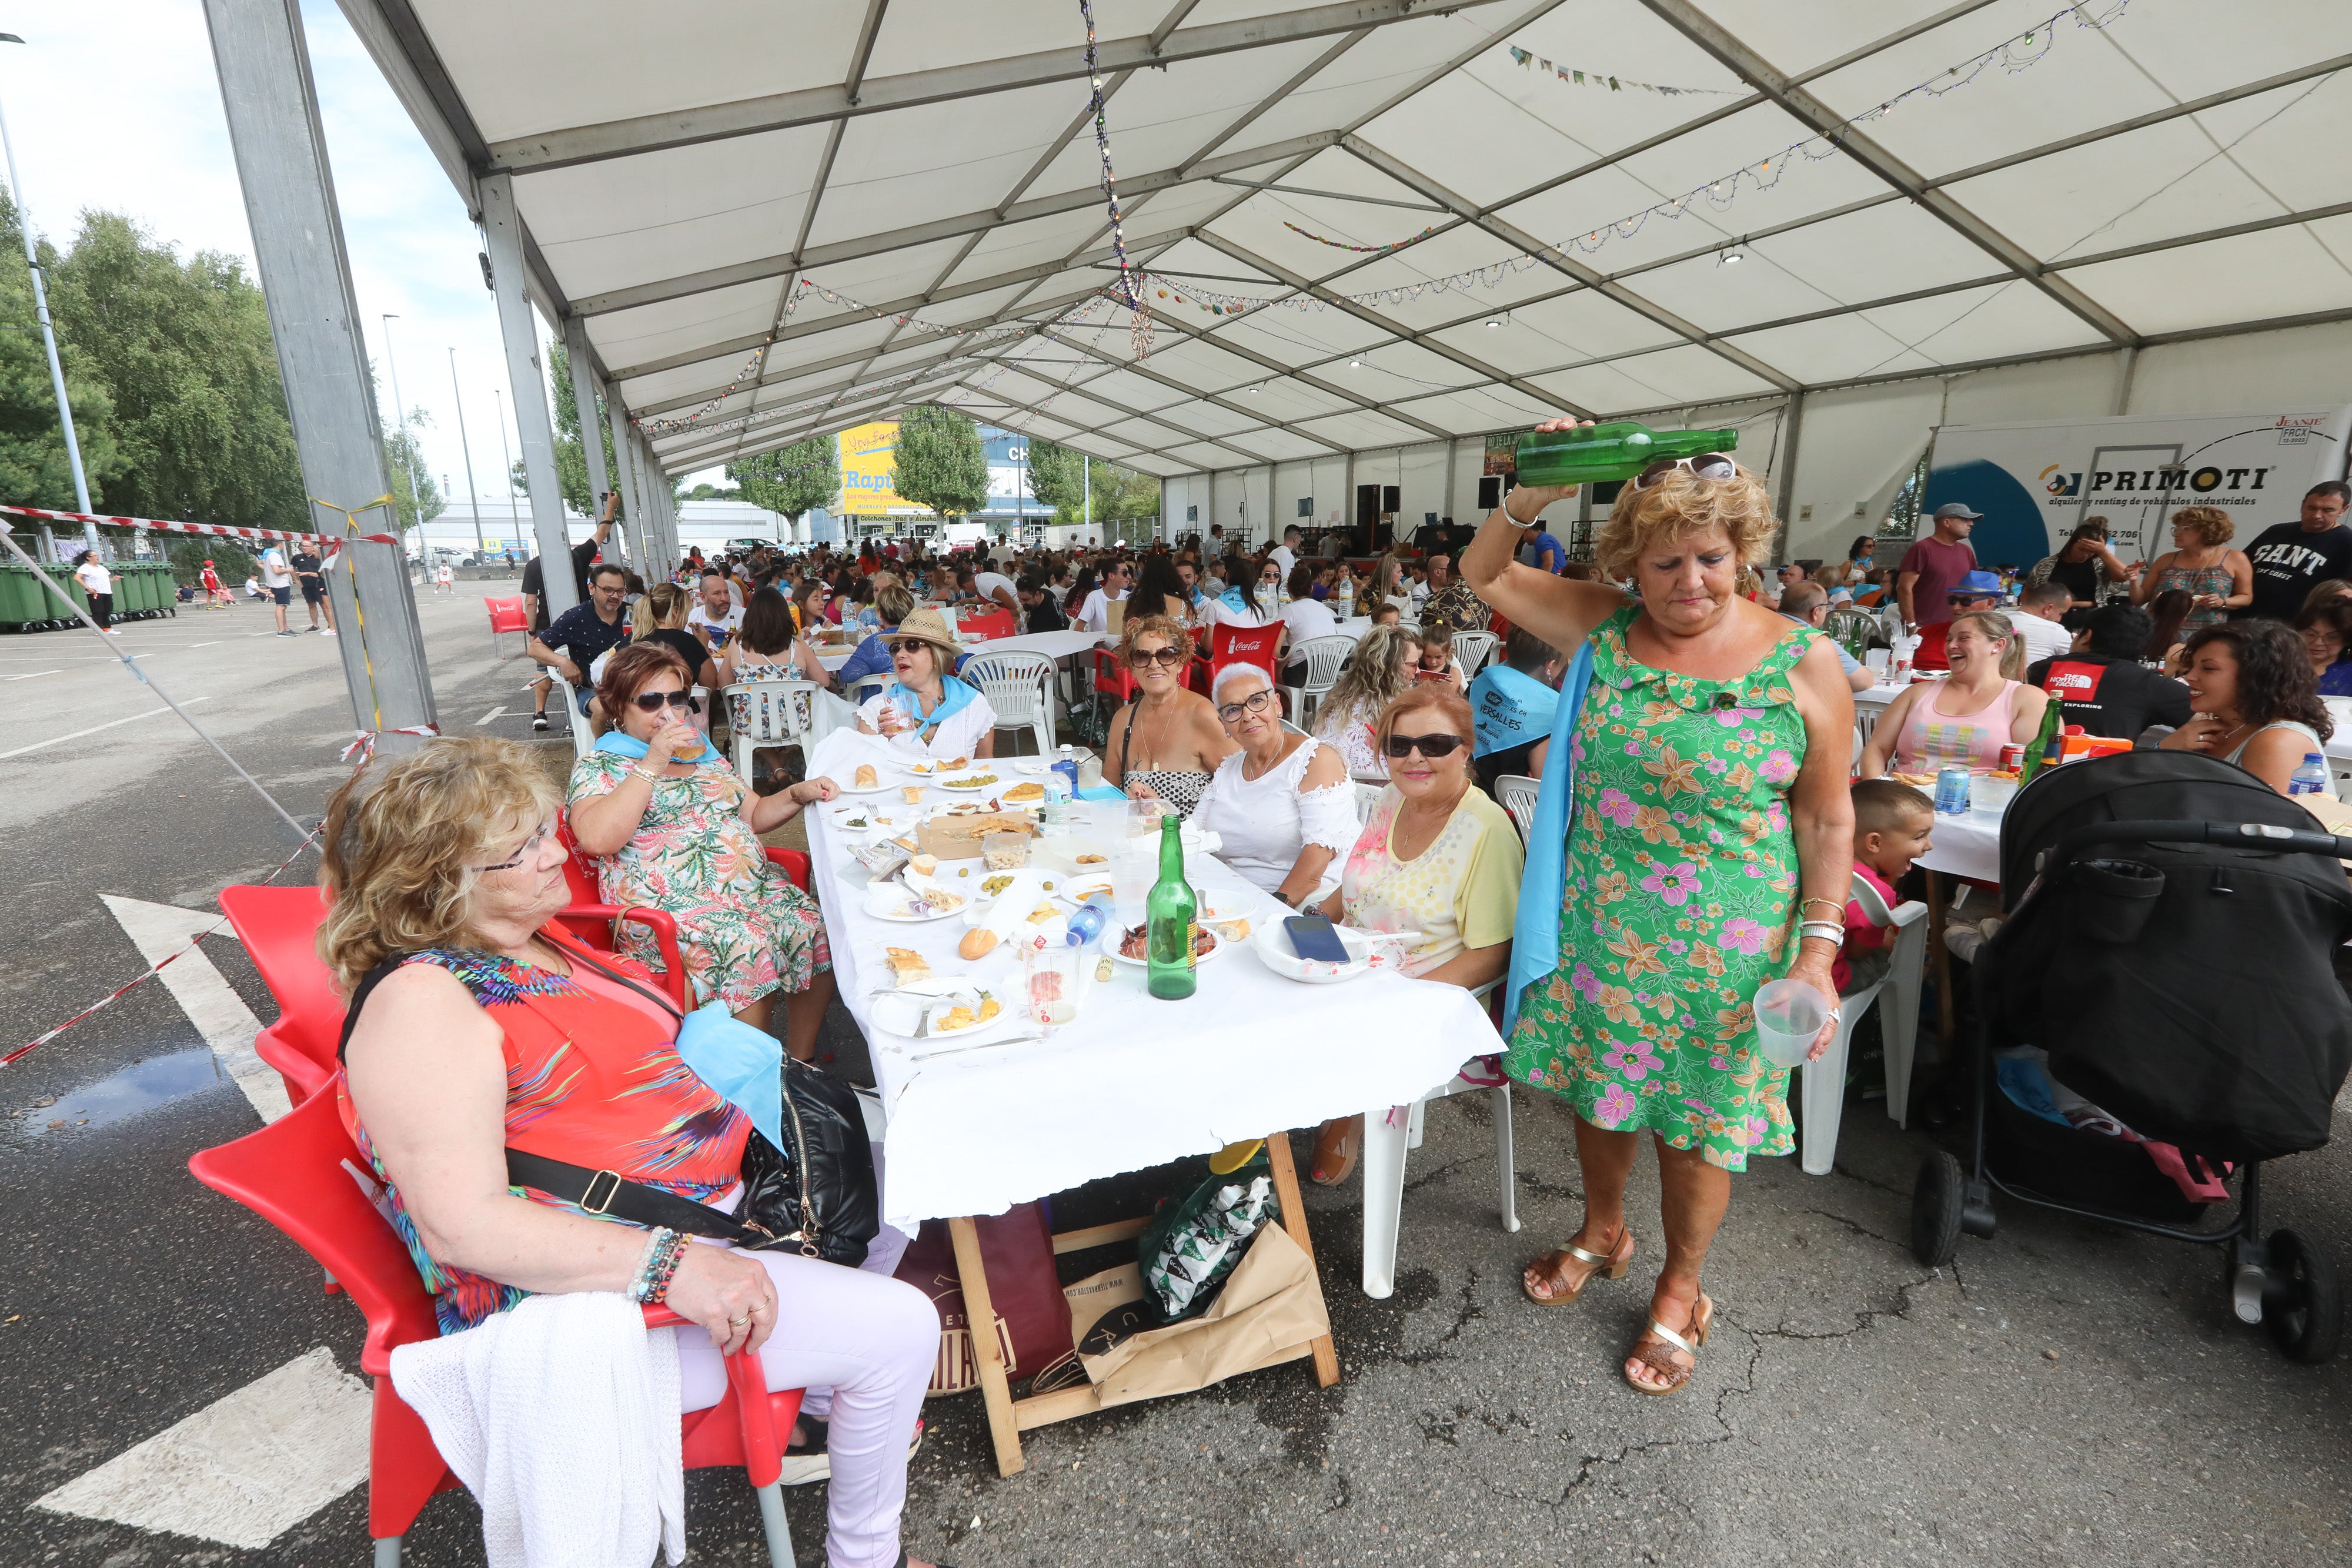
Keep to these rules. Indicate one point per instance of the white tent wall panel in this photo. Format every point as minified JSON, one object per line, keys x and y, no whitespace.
{"x":2256,"y":370}
{"x":1185,"y":502}
{"x":1421,"y":483}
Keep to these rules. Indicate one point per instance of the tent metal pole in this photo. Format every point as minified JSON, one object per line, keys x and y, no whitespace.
{"x":519,"y":329}
{"x":577,"y":355}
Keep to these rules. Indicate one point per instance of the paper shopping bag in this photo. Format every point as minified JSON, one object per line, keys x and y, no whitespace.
{"x":1270,"y":1304}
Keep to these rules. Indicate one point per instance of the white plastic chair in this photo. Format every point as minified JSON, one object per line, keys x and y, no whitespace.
{"x":1389,"y":1136}
{"x":1290,"y":728}
{"x":582,"y":742}
{"x":1368,"y":793}
{"x":1019,"y":687}
{"x":1325,"y":658}
{"x":1472,"y":648}
{"x":1517,"y":793}
{"x":768,"y":713}
{"x":863,"y":687}
{"x":1899,"y":1026}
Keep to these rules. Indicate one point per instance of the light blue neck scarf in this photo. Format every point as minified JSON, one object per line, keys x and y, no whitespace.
{"x":621,"y":744}
{"x":954,"y":697}
{"x":1534,"y":938}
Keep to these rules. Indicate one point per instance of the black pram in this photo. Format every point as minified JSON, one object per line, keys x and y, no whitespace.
{"x":2172,"y":923}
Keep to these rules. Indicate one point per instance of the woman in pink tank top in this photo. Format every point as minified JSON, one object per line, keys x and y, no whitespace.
{"x":1964,"y":720}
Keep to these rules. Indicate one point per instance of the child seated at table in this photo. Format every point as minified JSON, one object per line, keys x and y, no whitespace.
{"x":1435,"y":662}
{"x":1892,"y":825}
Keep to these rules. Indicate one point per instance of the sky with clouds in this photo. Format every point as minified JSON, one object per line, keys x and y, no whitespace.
{"x":113,"y":104}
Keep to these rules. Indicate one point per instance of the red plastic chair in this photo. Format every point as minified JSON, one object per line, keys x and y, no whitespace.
{"x":1238,"y":645}
{"x":279,"y":929}
{"x":303,"y":1174}
{"x":596,"y":924}
{"x":997,"y":623}
{"x":1114,"y":678}
{"x":506,"y":615}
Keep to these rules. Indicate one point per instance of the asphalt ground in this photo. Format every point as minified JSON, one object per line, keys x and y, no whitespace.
{"x":2065,"y":1393}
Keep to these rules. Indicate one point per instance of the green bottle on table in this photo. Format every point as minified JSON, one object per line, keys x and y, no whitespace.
{"x":1167,"y":920}
{"x":1618,"y":449}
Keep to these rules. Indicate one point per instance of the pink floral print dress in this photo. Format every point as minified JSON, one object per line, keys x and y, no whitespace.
{"x":1678,"y":892}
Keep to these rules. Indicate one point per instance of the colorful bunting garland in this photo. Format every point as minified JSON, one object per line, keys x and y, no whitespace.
{"x":1359,"y":249}
{"x":1614,"y":84}
{"x":1130,"y":288}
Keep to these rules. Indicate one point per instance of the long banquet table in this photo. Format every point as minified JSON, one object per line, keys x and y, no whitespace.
{"x":1132,"y":1082}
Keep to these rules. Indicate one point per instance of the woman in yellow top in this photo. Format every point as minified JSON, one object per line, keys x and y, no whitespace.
{"x":1436,"y":856}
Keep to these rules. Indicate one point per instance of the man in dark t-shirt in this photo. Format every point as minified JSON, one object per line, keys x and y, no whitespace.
{"x":582,"y":634}
{"x":534,"y":592}
{"x":2103,"y":686}
{"x":312,"y":578}
{"x":2291,"y":557}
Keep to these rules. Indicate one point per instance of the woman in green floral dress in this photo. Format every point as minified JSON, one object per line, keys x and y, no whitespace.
{"x":1709,"y":812}
{"x":675,"y":828}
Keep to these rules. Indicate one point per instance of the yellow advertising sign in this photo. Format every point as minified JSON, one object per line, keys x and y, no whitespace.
{"x":868,"y":462}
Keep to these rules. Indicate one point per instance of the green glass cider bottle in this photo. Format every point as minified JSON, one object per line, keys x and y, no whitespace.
{"x":1618,"y":449}
{"x":1167,"y":920}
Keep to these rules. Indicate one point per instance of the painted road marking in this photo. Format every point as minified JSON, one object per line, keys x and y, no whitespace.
{"x":30,"y":674}
{"x":490,"y":716}
{"x":244,"y":1470}
{"x":219,"y":1014}
{"x":93,"y":729}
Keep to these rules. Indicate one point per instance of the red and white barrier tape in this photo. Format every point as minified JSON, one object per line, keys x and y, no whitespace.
{"x":216,"y":529}
{"x":363,"y":746}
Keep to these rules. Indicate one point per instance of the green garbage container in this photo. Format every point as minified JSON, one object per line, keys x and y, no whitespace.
{"x":138,"y":579}
{"x":19,"y":595}
{"x":130,"y":590}
{"x":56,"y":613}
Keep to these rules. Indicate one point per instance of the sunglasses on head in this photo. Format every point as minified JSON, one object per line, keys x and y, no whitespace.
{"x":528,"y":848}
{"x":1430,"y":745}
{"x":1704,"y":465}
{"x":654,"y":702}
{"x":1169,"y":658}
{"x":1257,"y":702}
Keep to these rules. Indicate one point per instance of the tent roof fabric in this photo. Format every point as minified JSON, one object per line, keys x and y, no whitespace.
{"x":1380,"y":222}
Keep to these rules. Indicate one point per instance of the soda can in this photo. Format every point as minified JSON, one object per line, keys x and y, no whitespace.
{"x":2012,"y":759}
{"x":1952,"y":791}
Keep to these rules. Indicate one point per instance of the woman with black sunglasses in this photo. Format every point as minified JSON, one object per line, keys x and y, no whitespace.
{"x":1166,"y":742}
{"x":1436,"y":857}
{"x":672,"y":827}
{"x":1704,"y":848}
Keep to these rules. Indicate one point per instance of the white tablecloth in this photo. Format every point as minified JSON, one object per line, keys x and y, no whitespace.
{"x":1965,"y":846}
{"x":1133,"y":1082}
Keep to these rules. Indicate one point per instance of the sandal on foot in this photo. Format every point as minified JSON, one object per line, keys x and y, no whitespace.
{"x":1652,"y":1349}
{"x":1336,"y":1147}
{"x":1605,"y":1265}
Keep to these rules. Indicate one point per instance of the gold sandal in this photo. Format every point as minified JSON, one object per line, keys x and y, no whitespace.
{"x":1607,"y":1266}
{"x":1336,"y":1147}
{"x":1650,"y":1350}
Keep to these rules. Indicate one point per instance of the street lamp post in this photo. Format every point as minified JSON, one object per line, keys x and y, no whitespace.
{"x":465,"y":449}
{"x":48,"y":333}
{"x":499,"y":394}
{"x":400,"y":426}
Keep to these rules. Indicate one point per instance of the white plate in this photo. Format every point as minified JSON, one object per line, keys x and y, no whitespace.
{"x":896,"y":902}
{"x":1111,"y":941}
{"x":867,"y":789}
{"x":1272,"y":944}
{"x":1076,"y":890}
{"x":1036,"y":768}
{"x":889,"y":1011}
{"x":993,"y":784}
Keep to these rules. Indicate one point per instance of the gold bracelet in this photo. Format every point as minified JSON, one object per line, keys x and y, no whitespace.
{"x":648,"y":774}
{"x":1832,"y":902}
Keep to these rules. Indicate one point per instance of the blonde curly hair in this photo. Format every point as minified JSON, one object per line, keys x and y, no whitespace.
{"x":404,"y":839}
{"x":1682,"y":505}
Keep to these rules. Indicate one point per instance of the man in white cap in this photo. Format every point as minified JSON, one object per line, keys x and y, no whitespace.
{"x":1923,"y":581}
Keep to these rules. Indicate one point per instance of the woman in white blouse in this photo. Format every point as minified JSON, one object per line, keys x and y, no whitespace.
{"x":1282,"y":804}
{"x":925,"y":709}
{"x":1377,"y":673}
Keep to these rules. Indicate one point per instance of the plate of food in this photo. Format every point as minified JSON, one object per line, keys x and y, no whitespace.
{"x":970,"y":783}
{"x":1025,"y":795}
{"x":922,"y":769}
{"x":1272,"y":944}
{"x":925,"y":1006}
{"x":1130,"y":948}
{"x":1076,"y":890}
{"x":866,"y":781}
{"x":899,"y":903}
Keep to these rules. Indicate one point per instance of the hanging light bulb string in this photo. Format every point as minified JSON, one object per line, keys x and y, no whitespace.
{"x":1129,"y":286}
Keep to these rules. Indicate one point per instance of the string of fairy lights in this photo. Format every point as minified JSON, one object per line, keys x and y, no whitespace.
{"x":1136,"y":285}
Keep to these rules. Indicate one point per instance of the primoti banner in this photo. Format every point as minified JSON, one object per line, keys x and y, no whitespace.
{"x":2035,"y":481}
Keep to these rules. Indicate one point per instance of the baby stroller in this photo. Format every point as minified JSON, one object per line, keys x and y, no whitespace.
{"x":2171,"y":924}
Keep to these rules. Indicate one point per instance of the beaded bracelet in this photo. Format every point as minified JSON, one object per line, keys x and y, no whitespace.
{"x":664,"y":1248}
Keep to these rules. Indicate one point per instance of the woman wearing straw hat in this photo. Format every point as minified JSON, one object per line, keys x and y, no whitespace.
{"x":926,"y":709}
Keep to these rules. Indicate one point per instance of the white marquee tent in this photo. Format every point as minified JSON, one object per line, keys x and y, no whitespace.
{"x":1368,"y":233}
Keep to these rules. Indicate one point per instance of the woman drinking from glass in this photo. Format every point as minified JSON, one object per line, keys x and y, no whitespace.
{"x":925,"y":709}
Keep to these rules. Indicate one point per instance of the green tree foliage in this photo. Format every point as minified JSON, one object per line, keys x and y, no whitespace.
{"x":1060,"y":477}
{"x":795,"y":480}
{"x":708,"y":492}
{"x":413,"y":493}
{"x":33,"y":471}
{"x":230,"y":562}
{"x":940,"y":462}
{"x":571,"y":458}
{"x":184,"y":348}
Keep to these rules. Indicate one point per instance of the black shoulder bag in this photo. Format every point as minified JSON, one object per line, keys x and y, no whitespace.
{"x":817,"y":1196}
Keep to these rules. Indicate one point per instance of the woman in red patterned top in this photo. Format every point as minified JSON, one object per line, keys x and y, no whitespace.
{"x":482,"y":1027}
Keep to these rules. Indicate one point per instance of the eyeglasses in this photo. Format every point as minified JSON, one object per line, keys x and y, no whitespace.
{"x":528,"y":848}
{"x":1430,"y":745}
{"x":1702,"y":466}
{"x":1257,"y":702}
{"x":653,"y":702}
{"x":1167,"y":658}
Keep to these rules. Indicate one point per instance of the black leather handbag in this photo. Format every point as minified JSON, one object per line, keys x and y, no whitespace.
{"x":816,"y":1197}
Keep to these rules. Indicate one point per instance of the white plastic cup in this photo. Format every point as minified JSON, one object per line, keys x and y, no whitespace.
{"x":1789,"y":1014}
{"x":1875,"y":661}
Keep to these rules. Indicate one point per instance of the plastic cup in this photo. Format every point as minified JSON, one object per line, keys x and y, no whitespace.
{"x":1789,"y":1014}
{"x":1875,"y":661}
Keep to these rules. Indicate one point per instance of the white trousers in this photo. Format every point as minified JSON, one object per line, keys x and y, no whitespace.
{"x":863,"y":1344}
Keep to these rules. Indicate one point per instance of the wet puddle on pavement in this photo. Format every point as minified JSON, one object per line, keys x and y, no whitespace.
{"x":143,"y":1086}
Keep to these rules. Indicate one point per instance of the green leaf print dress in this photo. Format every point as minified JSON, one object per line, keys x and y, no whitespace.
{"x":1678,"y":892}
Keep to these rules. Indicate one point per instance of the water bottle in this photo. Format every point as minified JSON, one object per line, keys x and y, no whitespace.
{"x":1088,"y":922}
{"x":1065,"y":763}
{"x":1057,"y":799}
{"x":2311,"y":778}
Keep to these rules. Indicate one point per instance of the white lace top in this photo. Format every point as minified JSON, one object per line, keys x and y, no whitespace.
{"x":1351,"y":734}
{"x":1265,"y":821}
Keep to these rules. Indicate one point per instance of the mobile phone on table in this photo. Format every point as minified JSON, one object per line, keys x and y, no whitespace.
{"x":1312,"y":937}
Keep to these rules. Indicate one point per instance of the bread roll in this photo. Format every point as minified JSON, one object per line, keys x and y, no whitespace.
{"x":977,"y":941}
{"x":867,"y":778}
